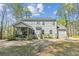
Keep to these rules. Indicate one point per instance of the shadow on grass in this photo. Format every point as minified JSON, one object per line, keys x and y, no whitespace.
{"x":28,"y":50}
{"x":62,"y":49}
{"x":43,"y":48}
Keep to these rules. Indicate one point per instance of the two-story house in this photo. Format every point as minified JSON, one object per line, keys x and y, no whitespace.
{"x":36,"y":27}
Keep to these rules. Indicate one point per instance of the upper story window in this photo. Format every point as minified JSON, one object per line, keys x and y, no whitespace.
{"x":38,"y":22}
{"x":43,"y":23}
{"x":50,"y":31}
{"x":53,"y":23}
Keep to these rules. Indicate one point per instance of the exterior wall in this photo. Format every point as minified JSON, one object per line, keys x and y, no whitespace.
{"x":62,"y":34}
{"x":47,"y":26}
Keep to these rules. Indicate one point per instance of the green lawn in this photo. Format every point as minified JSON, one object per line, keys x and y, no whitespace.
{"x":56,"y":49}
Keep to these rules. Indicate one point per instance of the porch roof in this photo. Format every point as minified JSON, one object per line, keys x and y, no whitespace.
{"x":23,"y":25}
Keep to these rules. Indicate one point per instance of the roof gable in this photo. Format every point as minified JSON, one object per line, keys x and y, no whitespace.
{"x":21,"y":24}
{"x":61,"y":27}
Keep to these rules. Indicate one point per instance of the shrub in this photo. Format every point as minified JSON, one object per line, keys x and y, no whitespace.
{"x":41,"y":36}
{"x":9,"y":35}
{"x":48,"y":36}
{"x":30,"y":37}
{"x":10,"y":38}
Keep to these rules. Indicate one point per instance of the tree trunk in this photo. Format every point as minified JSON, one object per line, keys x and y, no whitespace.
{"x":2,"y":21}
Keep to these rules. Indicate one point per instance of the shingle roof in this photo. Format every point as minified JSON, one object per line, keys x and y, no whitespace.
{"x":61,"y":27}
{"x":39,"y":19}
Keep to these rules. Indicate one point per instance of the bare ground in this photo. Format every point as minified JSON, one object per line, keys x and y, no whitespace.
{"x":4,"y":43}
{"x":50,"y":47}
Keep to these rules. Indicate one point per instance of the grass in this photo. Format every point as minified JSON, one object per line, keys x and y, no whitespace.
{"x":16,"y":51}
{"x":56,"y":49}
{"x":75,"y":36}
{"x":61,"y":49}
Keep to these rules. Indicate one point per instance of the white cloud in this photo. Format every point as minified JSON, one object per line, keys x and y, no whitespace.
{"x":36,"y":14}
{"x":39,"y":7}
{"x":31,"y":9}
{"x":36,"y":9}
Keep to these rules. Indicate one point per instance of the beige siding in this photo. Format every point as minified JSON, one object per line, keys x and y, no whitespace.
{"x":46,"y":27}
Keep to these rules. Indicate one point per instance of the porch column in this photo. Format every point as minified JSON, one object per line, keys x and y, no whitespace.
{"x":27,"y":33}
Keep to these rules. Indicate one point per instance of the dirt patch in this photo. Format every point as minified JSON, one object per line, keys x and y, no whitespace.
{"x":4,"y":43}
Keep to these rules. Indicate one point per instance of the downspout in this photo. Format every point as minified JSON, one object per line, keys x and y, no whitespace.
{"x":57,"y":33}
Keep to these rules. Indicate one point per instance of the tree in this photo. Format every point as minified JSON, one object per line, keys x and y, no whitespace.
{"x":3,"y":13}
{"x":17,"y":10}
{"x":27,"y":12}
{"x":65,"y":11}
{"x":61,"y":21}
{"x":76,"y":5}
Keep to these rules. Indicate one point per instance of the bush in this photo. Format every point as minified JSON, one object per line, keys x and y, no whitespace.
{"x":48,"y":36}
{"x":30,"y":37}
{"x":10,"y":38}
{"x":8,"y":33}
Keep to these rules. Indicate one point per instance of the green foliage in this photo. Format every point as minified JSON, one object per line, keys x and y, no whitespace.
{"x":65,"y":9}
{"x":77,"y":22}
{"x":27,"y":11}
{"x":30,"y":37}
{"x":18,"y":10}
{"x":10,"y":38}
{"x":9,"y":33}
{"x":75,"y":36}
{"x":69,"y":7}
{"x":61,"y":21}
{"x":48,"y":36}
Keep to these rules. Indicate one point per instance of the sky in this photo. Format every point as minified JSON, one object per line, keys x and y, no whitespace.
{"x":44,"y":10}
{"x":38,"y":10}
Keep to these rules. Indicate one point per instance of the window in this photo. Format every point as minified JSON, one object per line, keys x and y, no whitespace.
{"x":43,"y":23}
{"x":50,"y":31}
{"x":38,"y":22}
{"x":53,"y":23}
